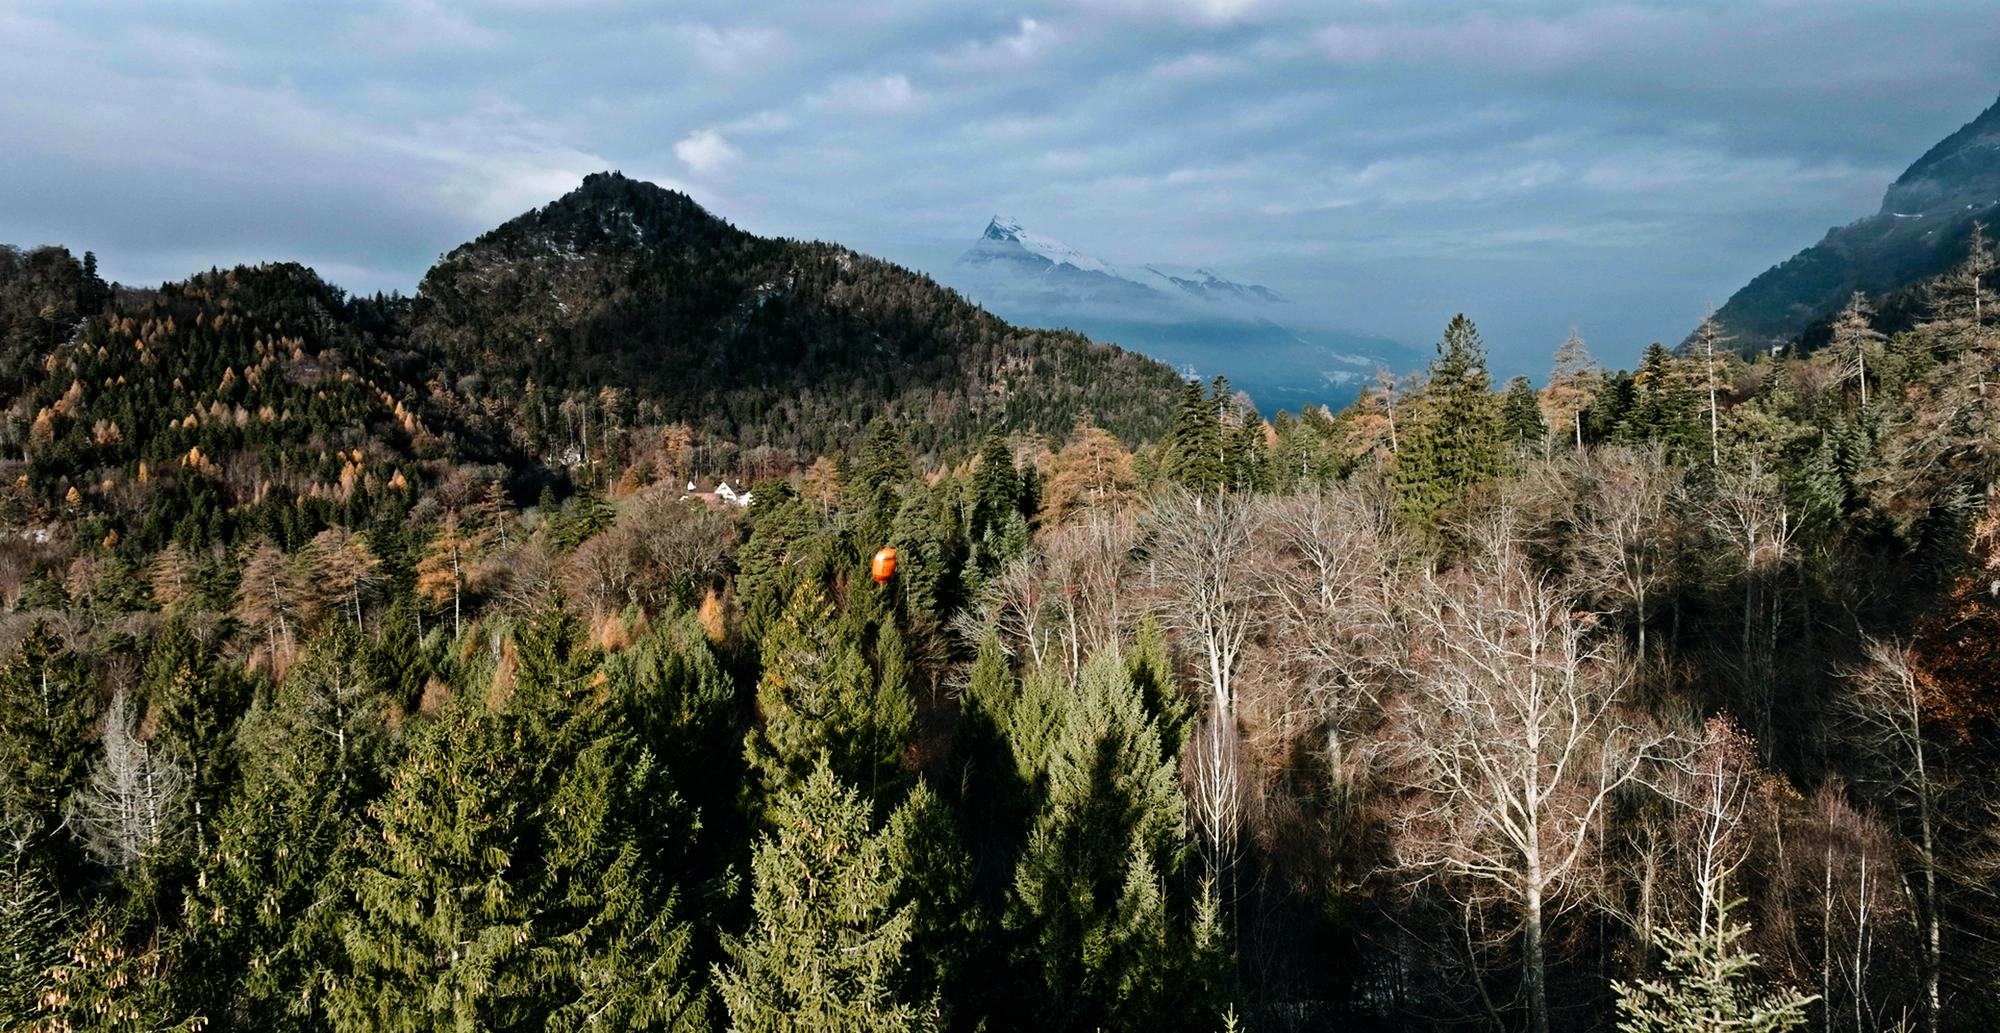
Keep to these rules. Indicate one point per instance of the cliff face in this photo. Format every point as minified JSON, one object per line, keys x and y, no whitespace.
{"x":1921,"y":231}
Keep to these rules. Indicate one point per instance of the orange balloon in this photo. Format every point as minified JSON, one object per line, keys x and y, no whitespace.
{"x":885,"y":565}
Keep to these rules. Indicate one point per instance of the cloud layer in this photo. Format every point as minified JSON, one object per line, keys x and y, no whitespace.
{"x":1386,"y":162}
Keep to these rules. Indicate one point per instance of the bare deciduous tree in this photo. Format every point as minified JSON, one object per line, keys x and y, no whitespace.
{"x":1623,"y":532}
{"x":1750,"y":513}
{"x":1516,"y":748}
{"x":134,"y":808}
{"x":1885,"y":711}
{"x":1212,"y":596}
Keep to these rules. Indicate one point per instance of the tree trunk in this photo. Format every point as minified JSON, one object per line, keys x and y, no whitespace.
{"x":1536,"y":975}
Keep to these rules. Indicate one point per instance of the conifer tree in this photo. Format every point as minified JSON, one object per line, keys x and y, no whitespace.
{"x":873,"y":480}
{"x":443,"y":574}
{"x":1572,"y":384}
{"x":1192,"y":454}
{"x":277,"y":599}
{"x":111,"y":981}
{"x":1665,"y":407}
{"x":1456,"y":443}
{"x":820,"y":698}
{"x":48,"y":710}
{"x":996,"y":486}
{"x":131,"y":813}
{"x":264,"y":914}
{"x":1521,"y":413}
{"x":1855,"y":340}
{"x":1247,"y":455}
{"x":1092,"y":470}
{"x":1707,"y":989}
{"x":30,"y":938}
{"x":197,"y":704}
{"x":831,"y":946}
{"x":682,"y":704}
{"x":398,"y":656}
{"x":585,"y":516}
{"x":923,"y":534}
{"x":989,"y":794}
{"x":1096,"y":937}
{"x":506,"y":886}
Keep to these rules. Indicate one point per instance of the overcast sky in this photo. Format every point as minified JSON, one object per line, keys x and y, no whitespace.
{"x":1387,"y":163}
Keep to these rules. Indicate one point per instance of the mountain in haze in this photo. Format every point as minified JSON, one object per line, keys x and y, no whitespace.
{"x":1926,"y":217}
{"x":1196,"y":319}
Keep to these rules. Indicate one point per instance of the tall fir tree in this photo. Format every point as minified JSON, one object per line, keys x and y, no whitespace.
{"x":1191,"y":456}
{"x":1455,"y":444}
{"x":197,"y":703}
{"x":1247,"y":454}
{"x":873,"y":480}
{"x":996,"y":486}
{"x":1096,"y":918}
{"x":821,"y":699}
{"x":1665,"y":407}
{"x":30,"y":938}
{"x":1521,"y":413}
{"x":264,"y":915}
{"x":505,"y":887}
{"x":49,"y":706}
{"x":832,"y":944}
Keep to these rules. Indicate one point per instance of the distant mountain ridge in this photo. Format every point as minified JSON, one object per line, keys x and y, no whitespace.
{"x":1198,"y":320}
{"x":1921,"y":230}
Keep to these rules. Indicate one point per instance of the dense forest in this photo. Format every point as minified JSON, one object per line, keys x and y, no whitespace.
{"x":372,"y":665}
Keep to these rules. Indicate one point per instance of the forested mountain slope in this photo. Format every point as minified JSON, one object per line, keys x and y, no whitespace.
{"x":1920,"y":231}
{"x":769,"y":342}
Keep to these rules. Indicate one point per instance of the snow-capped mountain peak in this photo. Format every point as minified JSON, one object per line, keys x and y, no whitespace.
{"x":1191,"y":317}
{"x":1007,"y":230}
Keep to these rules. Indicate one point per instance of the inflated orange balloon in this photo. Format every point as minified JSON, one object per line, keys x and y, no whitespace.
{"x":885,"y":565}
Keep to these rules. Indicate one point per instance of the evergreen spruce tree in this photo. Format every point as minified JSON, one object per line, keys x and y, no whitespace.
{"x":1094,"y":918}
{"x":1455,"y":444}
{"x":1707,"y":988}
{"x":114,"y":979}
{"x":873,"y":481}
{"x":1152,"y":672}
{"x":782,"y":526}
{"x":48,"y":713}
{"x":1192,"y":454}
{"x":833,"y":944}
{"x":398,"y":657}
{"x":996,"y":486}
{"x":506,"y":886}
{"x":264,"y":915}
{"x":989,"y":794}
{"x":821,"y":699}
{"x":1665,"y":406}
{"x":1604,"y":418}
{"x":30,"y":939}
{"x":1521,"y":413}
{"x":198,"y":704}
{"x":947,"y":928}
{"x":1247,"y":455}
{"x":925,"y":541}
